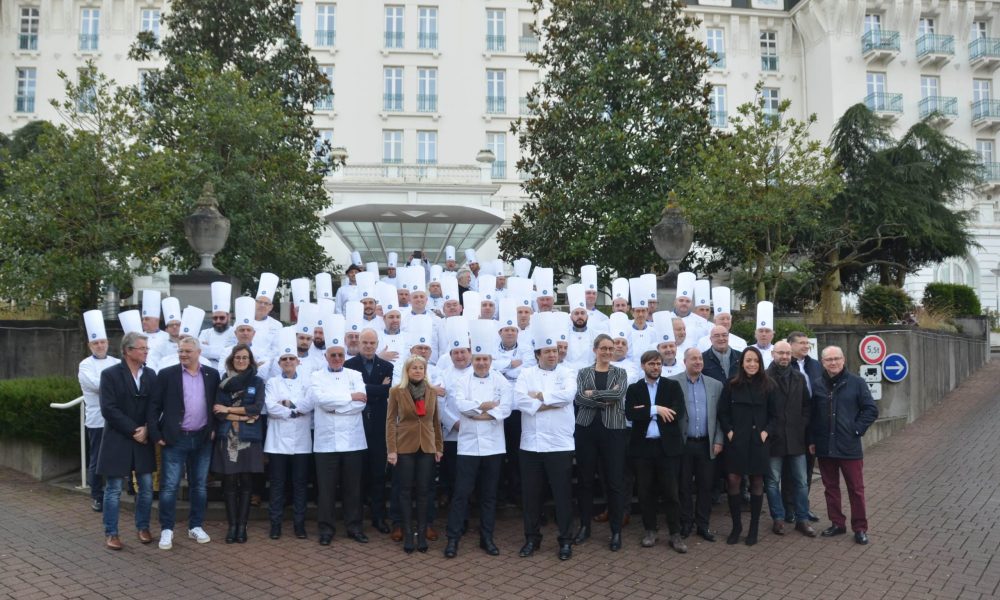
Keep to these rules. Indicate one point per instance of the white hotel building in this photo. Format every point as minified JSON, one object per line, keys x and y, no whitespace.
{"x":422,"y":86}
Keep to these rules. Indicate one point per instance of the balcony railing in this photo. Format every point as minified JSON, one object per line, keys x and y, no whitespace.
{"x":395,"y":170}
{"x":89,"y":41}
{"x":324,"y":103}
{"x":427,"y":103}
{"x":932,"y":43}
{"x":393,"y":39}
{"x":984,"y":48}
{"x":942,"y":105}
{"x":325,"y":38}
{"x":527,"y":43}
{"x":25,"y":104}
{"x":496,"y":105}
{"x":880,"y":39}
{"x":990,"y":171}
{"x":427,"y":41}
{"x":392,"y":102}
{"x":884,"y":103}
{"x":985,"y":109}
{"x":496,"y":43}
{"x":768,"y":63}
{"x":499,"y":170}
{"x":719,"y":62}
{"x":718,"y":118}
{"x":27,"y":41}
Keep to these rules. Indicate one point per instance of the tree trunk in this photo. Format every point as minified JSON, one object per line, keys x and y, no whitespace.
{"x":884,"y":275}
{"x":829,"y":300}
{"x":759,"y":273}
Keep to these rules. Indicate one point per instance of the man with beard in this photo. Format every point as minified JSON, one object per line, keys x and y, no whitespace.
{"x":221,"y":334}
{"x":579,"y":351}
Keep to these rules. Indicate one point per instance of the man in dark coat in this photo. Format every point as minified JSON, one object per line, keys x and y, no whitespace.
{"x":842,"y":411}
{"x":721,"y":360}
{"x":811,"y":369}
{"x":126,"y":446}
{"x":788,"y":441}
{"x":656,"y":405}
{"x":377,"y":375}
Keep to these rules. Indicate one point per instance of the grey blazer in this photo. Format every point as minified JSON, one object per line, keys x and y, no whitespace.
{"x":713,"y":389}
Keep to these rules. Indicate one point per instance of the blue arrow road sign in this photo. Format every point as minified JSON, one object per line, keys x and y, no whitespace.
{"x":895,"y":368}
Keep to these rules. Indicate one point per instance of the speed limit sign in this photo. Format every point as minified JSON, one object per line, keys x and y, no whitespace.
{"x":872,"y":349}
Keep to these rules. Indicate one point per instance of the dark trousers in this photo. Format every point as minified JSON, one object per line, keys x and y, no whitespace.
{"x":853,"y":470}
{"x":94,"y":481}
{"x":557,"y":467}
{"x":657,"y":473}
{"x":446,"y":470}
{"x":281,"y":466}
{"x":395,"y":516}
{"x":472,"y":469}
{"x":595,"y":443}
{"x":416,"y":470}
{"x":375,"y":458}
{"x":511,"y":475}
{"x":697,"y":477}
{"x":345,"y":469}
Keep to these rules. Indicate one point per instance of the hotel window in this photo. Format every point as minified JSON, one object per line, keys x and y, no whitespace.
{"x":150,"y":21}
{"x":427,"y":98}
{"x":427,"y":36}
{"x":24,"y":100}
{"x":768,"y":51}
{"x":496,"y":37}
{"x":427,"y":147}
{"x":715,"y":39}
{"x":28,"y":34}
{"x":392,"y":99}
{"x":393,"y":26}
{"x":326,"y":102}
{"x":497,"y":143}
{"x":392,"y":146}
{"x":326,"y":25}
{"x":90,"y":28}
{"x":496,"y":91}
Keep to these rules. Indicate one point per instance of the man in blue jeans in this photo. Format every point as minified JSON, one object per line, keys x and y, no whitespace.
{"x":788,"y":441}
{"x":181,"y":422}
{"x":124,"y":397}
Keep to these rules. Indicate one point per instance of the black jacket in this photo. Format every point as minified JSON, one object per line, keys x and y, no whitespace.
{"x":669,"y":394}
{"x":713,"y":368}
{"x":378,"y":392}
{"x":166,"y":411}
{"x":746,"y":411}
{"x":791,"y":412}
{"x":125,"y":408}
{"x":842,"y":411}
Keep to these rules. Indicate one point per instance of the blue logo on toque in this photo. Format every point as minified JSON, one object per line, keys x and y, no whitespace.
{"x":245,"y":321}
{"x":762,"y":323}
{"x":93,"y":336}
{"x":478,"y":348}
{"x":455,"y":344}
{"x":548,"y":340}
{"x":423,"y":339}
{"x":186,"y":329}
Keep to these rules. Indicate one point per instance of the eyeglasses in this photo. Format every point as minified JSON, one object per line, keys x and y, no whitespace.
{"x":336,"y":354}
{"x":287,"y":358}
{"x":236,"y":358}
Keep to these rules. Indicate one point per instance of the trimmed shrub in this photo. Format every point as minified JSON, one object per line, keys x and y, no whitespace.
{"x":959,"y":300}
{"x":882,"y":304}
{"x":25,"y":413}
{"x":747,"y":329}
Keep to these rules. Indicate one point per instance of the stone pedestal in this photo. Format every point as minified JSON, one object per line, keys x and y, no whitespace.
{"x":195,"y":288}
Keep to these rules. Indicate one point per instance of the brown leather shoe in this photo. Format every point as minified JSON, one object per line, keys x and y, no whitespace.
{"x":779,"y":527}
{"x":430,"y":534}
{"x":144,"y":536}
{"x":602,"y":518}
{"x":397,"y":534}
{"x":805,"y":529}
{"x":113,"y":543}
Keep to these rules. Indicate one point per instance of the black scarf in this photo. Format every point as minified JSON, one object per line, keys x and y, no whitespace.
{"x":235,"y":384}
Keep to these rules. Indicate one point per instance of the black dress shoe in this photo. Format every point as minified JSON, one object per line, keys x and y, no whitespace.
{"x":489,"y":547}
{"x":325,"y":539}
{"x":96,"y":505}
{"x":565,"y":551}
{"x":861,"y":537}
{"x":382,"y":526}
{"x":789,"y":517}
{"x":275,"y":531}
{"x":451,"y":550}
{"x":358,"y":537}
{"x":686,"y":530}
{"x":833,"y":530}
{"x":582,"y":534}
{"x":706,"y":535}
{"x":300,"y":531}
{"x":529,"y":548}
{"x":616,"y":542}
{"x":813,"y":517}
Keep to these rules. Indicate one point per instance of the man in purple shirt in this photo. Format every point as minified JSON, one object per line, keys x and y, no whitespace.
{"x":179,"y":422}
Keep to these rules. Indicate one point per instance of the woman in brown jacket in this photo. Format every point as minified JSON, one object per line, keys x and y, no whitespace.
{"x":414,"y":443}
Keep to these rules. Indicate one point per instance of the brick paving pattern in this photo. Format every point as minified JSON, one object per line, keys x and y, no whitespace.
{"x":933,"y":503}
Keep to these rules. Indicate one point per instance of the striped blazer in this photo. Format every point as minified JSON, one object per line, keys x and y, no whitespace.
{"x":609,"y":403}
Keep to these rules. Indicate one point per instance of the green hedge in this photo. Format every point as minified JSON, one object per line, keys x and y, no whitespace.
{"x":748,"y":329}
{"x":25,"y":413}
{"x":959,"y":300}
{"x":882,"y":304}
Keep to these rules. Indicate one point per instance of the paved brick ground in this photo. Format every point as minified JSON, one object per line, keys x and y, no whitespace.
{"x":932,"y":493}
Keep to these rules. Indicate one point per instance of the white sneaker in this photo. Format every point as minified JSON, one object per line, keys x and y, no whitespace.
{"x":166,"y":539}
{"x":199,"y":534}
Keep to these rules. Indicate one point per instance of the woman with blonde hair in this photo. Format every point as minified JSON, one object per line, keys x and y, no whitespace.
{"x":414,"y":443}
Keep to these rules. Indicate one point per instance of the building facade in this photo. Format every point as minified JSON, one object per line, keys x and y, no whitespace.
{"x":421,"y":87}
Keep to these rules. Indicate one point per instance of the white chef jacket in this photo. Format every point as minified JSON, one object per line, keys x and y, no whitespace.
{"x":447,"y":409}
{"x":640,"y":340}
{"x":547,"y":430}
{"x":89,"y":375}
{"x":165,"y":348}
{"x":482,"y":438}
{"x":265,"y":341}
{"x":669,"y":371}
{"x":696,"y":326}
{"x":346,"y":293}
{"x":213,"y":342}
{"x":337,"y":419}
{"x":287,"y":435}
{"x":634,"y":373}
{"x":502,"y":359}
{"x":393,"y":342}
{"x":580,"y":353}
{"x":765,"y":353}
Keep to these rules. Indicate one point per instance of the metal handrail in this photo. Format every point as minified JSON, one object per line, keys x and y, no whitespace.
{"x":83,"y":437}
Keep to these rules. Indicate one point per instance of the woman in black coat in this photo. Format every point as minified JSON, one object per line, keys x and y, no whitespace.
{"x":746,"y":414}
